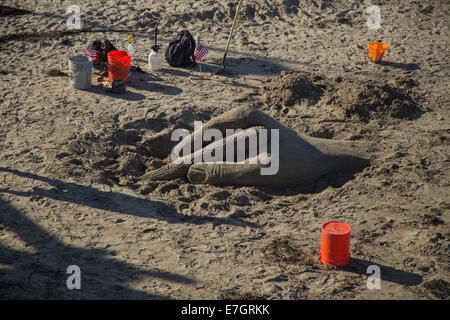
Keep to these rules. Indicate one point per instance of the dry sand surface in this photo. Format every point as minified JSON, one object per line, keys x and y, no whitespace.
{"x":73,"y":163}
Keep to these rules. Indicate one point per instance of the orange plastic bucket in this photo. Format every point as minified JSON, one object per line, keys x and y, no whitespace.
{"x":377,"y":51}
{"x":119,"y":66}
{"x":335,"y":246}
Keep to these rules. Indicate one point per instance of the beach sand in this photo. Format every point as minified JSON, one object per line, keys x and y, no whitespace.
{"x":73,"y":162}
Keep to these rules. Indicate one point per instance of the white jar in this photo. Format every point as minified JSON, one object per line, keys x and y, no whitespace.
{"x":155,"y":61}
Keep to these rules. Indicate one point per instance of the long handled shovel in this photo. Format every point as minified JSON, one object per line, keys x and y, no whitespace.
{"x":222,"y":68}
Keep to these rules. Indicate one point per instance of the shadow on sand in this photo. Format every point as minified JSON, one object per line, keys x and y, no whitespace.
{"x":405,"y":66}
{"x":389,"y":274}
{"x":115,"y":202}
{"x":129,"y":95}
{"x":143,"y":84}
{"x":246,"y":66}
{"x":40,"y":273}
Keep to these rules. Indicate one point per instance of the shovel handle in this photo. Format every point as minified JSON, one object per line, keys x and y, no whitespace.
{"x":232,"y":29}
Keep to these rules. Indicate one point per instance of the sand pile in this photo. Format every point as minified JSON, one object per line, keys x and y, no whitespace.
{"x":350,"y":96}
{"x":370,"y":99}
{"x":289,"y":89}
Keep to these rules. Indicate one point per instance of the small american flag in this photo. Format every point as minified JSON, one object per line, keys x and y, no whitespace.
{"x":91,"y":52}
{"x":200,"y":52}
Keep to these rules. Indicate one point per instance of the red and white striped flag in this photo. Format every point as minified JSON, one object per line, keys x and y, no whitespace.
{"x":200,"y":52}
{"x":91,"y":52}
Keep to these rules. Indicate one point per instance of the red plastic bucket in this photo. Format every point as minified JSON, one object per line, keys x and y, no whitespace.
{"x":119,"y":66}
{"x":335,"y":246}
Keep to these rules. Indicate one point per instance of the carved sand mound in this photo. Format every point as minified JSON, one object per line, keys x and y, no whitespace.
{"x":350,"y":96}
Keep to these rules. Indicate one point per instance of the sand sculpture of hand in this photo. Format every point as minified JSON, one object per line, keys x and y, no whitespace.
{"x":300,"y":159}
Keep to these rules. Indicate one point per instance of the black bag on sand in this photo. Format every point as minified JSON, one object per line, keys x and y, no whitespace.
{"x":180,"y":52}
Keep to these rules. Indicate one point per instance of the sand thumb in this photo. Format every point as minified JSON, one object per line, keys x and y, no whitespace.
{"x":225,"y":173}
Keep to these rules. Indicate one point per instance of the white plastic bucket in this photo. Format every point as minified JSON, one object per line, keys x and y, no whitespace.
{"x":80,"y":68}
{"x":155,"y":61}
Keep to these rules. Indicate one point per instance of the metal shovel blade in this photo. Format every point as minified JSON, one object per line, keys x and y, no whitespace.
{"x":220,"y":71}
{"x":222,"y":68}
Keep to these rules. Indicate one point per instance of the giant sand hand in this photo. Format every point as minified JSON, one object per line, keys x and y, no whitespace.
{"x":284,"y":158}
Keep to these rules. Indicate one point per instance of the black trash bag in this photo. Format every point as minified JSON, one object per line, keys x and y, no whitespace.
{"x":109,"y":46}
{"x":180,"y":52}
